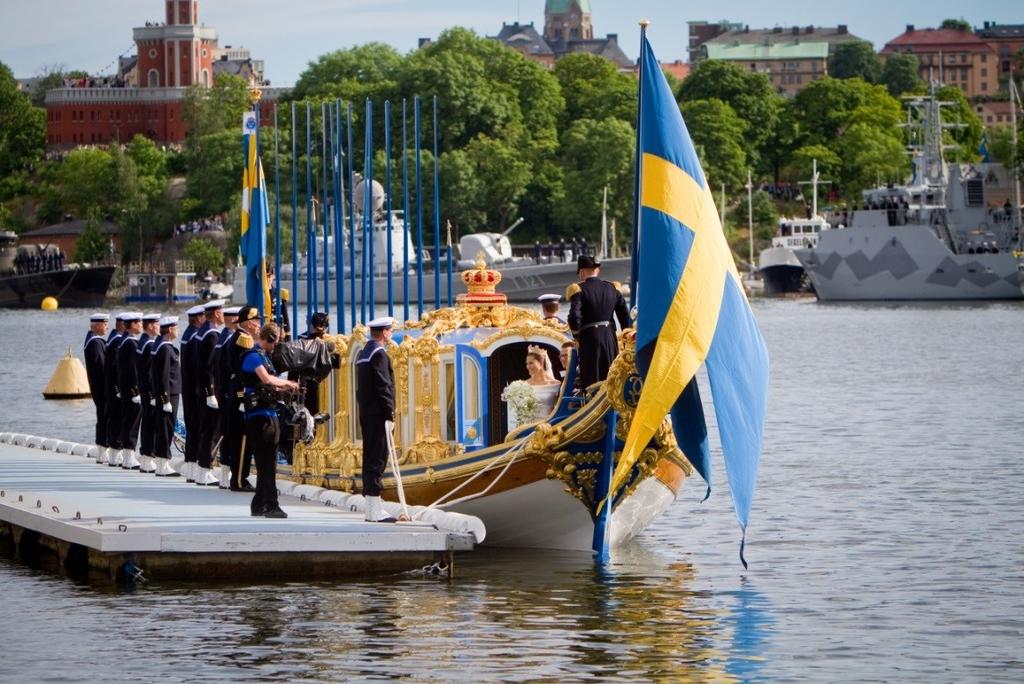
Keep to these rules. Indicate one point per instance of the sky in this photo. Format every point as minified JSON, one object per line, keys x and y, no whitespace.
{"x":287,"y":35}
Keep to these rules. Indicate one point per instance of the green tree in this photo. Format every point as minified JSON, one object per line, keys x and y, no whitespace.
{"x":595,"y":89}
{"x":52,"y":76}
{"x":828,"y":161}
{"x":503,"y":177}
{"x":91,"y":246}
{"x":215,"y":173}
{"x":364,"y":71}
{"x":956,"y":25}
{"x":750,"y":95}
{"x":870,"y":154}
{"x":590,"y":168}
{"x":1000,"y":148}
{"x":967,"y":135}
{"x":763,"y":212}
{"x":900,"y":74}
{"x":717,"y":134}
{"x":215,"y":109}
{"x":856,"y":59}
{"x":825,"y":108}
{"x":22,"y":127}
{"x":204,"y":255}
{"x":83,"y":181}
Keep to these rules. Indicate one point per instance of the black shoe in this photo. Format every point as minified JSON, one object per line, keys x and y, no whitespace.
{"x":388,"y":519}
{"x":258,"y":512}
{"x":244,"y":488}
{"x":275,"y":513}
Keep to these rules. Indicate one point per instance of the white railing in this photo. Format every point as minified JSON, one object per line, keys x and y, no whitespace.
{"x":105,"y":95}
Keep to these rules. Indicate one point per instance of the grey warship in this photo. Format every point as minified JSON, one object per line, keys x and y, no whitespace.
{"x":935,"y":238}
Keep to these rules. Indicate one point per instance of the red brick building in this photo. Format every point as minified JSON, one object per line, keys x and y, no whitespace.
{"x":951,"y":57}
{"x":172,"y":55}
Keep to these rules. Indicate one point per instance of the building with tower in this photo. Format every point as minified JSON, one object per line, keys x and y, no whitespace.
{"x":146,"y":95}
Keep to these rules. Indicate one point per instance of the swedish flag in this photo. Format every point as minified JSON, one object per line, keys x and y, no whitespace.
{"x":691,"y":308}
{"x":255,"y":218}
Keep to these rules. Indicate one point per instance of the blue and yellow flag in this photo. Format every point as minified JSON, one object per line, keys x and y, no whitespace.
{"x":255,"y":218}
{"x":691,"y":308}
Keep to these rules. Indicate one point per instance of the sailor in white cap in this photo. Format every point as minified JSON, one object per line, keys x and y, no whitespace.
{"x":189,"y":403}
{"x":113,"y":399}
{"x":94,"y":358}
{"x":143,"y":357}
{"x":165,"y":374}
{"x":375,"y":393}
{"x":205,"y":342}
{"x":549,"y":304}
{"x":128,"y":388}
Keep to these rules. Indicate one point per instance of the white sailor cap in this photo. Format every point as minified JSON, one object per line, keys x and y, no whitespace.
{"x":99,"y":318}
{"x":150,"y":317}
{"x":381,"y":323}
{"x":549,"y":298}
{"x":119,"y":316}
{"x":214,"y":304}
{"x":196,"y":310}
{"x":131,"y":316}
{"x":168,"y":321}
{"x":232,"y":310}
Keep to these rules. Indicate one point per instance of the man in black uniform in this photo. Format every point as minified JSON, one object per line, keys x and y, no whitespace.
{"x":128,"y":388}
{"x":258,"y":381}
{"x":231,"y":424}
{"x":143,"y":358}
{"x":94,"y":359}
{"x":205,"y":341}
{"x":188,"y":393}
{"x":113,"y":399}
{"x":593,"y":306}
{"x":375,"y":393}
{"x":241,"y":447}
{"x":165,"y":374}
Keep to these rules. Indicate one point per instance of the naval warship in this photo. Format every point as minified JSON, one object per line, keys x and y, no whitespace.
{"x":935,"y":238}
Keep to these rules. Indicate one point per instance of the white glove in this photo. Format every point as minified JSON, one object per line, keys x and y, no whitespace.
{"x":211,"y":401}
{"x":152,"y":402}
{"x":137,"y":400}
{"x":168,"y":408}
{"x":389,"y":425}
{"x":241,"y":408}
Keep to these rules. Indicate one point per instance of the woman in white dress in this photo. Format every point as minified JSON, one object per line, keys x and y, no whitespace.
{"x":542,"y":381}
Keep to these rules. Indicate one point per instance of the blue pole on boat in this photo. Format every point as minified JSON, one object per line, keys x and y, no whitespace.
{"x":387,"y":200}
{"x":367,"y":222}
{"x":405,"y":216}
{"x":325,"y":155}
{"x":371,"y":270}
{"x":604,"y":481}
{"x":351,"y":217}
{"x":277,"y":221}
{"x":419,"y":208}
{"x":295,"y":225}
{"x":310,"y":234}
{"x":449,"y":250}
{"x":437,"y":216}
{"x":339,"y":219}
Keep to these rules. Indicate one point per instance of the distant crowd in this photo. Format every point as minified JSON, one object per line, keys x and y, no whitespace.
{"x":27,"y":262}
{"x":561,"y":250}
{"x":203,"y":225}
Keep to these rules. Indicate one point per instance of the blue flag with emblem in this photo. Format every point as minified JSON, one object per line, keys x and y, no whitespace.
{"x":691,"y":307}
{"x":255,"y":219}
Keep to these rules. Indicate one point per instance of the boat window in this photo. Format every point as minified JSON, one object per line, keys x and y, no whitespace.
{"x":786,"y":230}
{"x":449,"y":397}
{"x":357,"y":433}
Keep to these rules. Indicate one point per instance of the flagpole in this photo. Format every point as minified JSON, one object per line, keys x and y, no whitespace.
{"x":324,"y":156}
{"x":367,"y":211}
{"x":437,"y":215}
{"x":371,"y":271}
{"x":387,"y":199}
{"x":634,"y":268}
{"x":351,"y":216}
{"x":295,"y":225}
{"x":277,"y":221}
{"x":339,"y":218}
{"x":261,"y":224}
{"x":449,"y":253}
{"x":419,"y":209}
{"x":310,"y":237}
{"x":405,"y":215}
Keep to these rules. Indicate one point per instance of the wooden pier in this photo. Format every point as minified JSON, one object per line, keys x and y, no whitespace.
{"x":56,"y":500}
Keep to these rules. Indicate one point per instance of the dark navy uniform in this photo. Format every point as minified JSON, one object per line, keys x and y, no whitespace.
{"x":593,"y":306}
{"x":95,"y":359}
{"x":205,"y":341}
{"x":165,"y":374}
{"x":231,"y":424}
{"x":188,"y":393}
{"x":240,"y":450}
{"x":113,"y":401}
{"x":128,"y":387}
{"x":375,"y":393}
{"x":147,"y":426}
{"x":262,"y":431}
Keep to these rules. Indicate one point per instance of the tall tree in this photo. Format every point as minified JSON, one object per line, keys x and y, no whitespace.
{"x":595,"y":89}
{"x":365,"y":71}
{"x":956,"y":25}
{"x":218,"y":108}
{"x":22,"y":126}
{"x":83,"y":181}
{"x":969,"y":129}
{"x":900,"y":74}
{"x":856,"y":59}
{"x":717,"y":134}
{"x":596,"y":155}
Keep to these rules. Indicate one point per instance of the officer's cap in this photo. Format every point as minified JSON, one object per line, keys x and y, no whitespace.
{"x":586,"y":262}
{"x":119,"y":316}
{"x":319,"y":320}
{"x":214,"y":304}
{"x":128,"y":316}
{"x":248,"y":313}
{"x":150,"y":317}
{"x":549,"y":298}
{"x":99,"y":318}
{"x":168,"y":321}
{"x":382,"y":323}
{"x":196,"y":310}
{"x":232,"y":310}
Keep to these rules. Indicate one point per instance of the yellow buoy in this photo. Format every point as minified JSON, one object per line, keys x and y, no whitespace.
{"x":49,"y":304}
{"x":69,"y":380}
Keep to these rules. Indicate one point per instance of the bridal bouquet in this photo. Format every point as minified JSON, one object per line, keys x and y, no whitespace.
{"x":521,"y":400}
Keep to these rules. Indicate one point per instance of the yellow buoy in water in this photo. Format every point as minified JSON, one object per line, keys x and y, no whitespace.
{"x":49,"y":304}
{"x":69,"y":380}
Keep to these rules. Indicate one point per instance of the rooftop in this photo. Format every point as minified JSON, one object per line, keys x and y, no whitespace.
{"x":826,"y":34}
{"x":994,"y":30}
{"x":525,"y":38}
{"x":774,"y":51}
{"x":562,"y":6}
{"x":70,"y":227}
{"x":964,"y":41}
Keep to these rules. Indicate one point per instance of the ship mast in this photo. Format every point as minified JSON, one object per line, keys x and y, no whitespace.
{"x":814,"y":182}
{"x":1014,"y":100}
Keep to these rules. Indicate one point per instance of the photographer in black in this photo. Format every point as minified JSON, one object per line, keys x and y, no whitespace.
{"x":261,"y":393}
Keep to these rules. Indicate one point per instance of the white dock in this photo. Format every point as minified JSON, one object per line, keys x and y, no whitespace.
{"x":108,"y":519}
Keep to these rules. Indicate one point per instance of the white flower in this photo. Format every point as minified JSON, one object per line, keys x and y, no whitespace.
{"x":521,"y":400}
